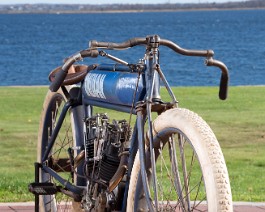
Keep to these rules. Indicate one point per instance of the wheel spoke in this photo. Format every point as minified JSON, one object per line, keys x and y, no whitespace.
{"x":175,"y":170}
{"x":182,"y":186}
{"x":184,"y":171}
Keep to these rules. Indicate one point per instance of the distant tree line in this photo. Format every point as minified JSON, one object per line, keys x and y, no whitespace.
{"x":68,"y":8}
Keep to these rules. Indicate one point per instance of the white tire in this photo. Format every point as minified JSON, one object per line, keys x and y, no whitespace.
{"x":211,"y":193}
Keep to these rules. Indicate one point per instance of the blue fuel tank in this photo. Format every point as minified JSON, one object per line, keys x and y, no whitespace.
{"x":114,"y":84}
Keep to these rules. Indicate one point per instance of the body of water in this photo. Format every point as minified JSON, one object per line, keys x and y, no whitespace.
{"x":31,"y":45}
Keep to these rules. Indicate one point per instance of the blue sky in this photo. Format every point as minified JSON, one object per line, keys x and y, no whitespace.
{"x":109,"y":1}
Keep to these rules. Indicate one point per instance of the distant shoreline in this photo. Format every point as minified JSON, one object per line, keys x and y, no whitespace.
{"x":130,"y":11}
{"x":128,"y":8}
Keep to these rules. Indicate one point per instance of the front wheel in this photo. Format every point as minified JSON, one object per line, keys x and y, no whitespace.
{"x":190,"y":168}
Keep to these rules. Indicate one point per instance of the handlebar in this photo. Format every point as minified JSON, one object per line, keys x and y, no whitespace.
{"x":150,"y":42}
{"x":118,"y":46}
{"x":186,"y":52}
{"x":146,"y":41}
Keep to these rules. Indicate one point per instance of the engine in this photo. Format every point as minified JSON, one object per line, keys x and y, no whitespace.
{"x":105,"y":142}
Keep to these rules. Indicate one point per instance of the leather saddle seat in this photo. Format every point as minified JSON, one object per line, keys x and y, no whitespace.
{"x":76,"y":73}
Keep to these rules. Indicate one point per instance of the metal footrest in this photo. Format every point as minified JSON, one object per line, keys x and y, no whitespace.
{"x":43,"y":188}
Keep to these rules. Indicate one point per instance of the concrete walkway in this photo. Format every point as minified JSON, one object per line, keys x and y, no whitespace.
{"x":249,"y":206}
{"x":29,"y":207}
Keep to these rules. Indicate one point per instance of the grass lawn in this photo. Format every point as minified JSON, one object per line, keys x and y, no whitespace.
{"x":239,"y":124}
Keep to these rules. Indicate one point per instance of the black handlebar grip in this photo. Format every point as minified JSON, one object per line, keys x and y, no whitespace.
{"x":223,"y":90}
{"x":58,"y":81}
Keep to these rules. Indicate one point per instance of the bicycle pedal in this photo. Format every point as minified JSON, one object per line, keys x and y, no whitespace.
{"x":43,"y":188}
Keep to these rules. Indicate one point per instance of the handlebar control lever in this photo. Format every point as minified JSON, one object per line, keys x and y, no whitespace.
{"x":118,"y":60}
{"x":223,"y":89}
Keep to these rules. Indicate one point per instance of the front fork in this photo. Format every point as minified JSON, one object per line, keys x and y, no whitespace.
{"x":152,"y":103}
{"x":141,"y":146}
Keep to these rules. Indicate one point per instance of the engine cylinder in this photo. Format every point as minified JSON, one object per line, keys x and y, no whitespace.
{"x":109,"y":166}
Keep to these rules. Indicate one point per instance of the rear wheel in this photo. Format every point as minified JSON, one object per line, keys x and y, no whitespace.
{"x":190,"y":168}
{"x":62,"y":150}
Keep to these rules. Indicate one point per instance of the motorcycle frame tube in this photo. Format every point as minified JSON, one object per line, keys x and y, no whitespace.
{"x":79,"y":136}
{"x":117,"y":107}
